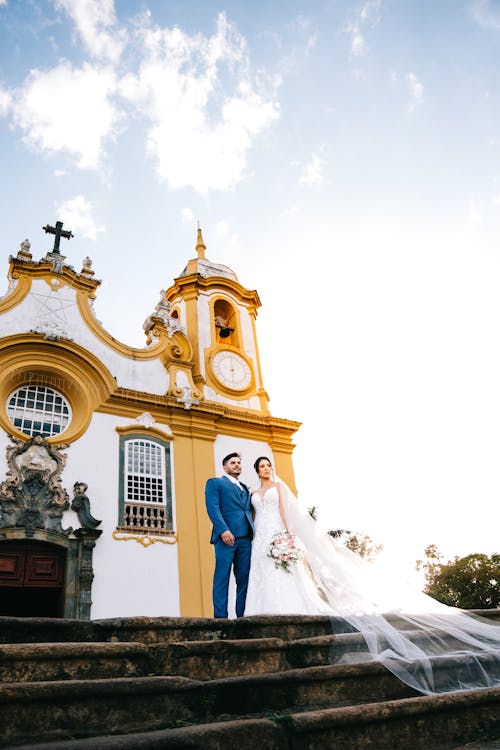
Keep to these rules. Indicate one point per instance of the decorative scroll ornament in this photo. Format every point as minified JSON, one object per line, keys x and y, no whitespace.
{"x":162,"y":312}
{"x":144,"y":539}
{"x":187,"y":398}
{"x":32,"y":495}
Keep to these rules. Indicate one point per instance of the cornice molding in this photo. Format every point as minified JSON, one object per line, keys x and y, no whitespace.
{"x":183,"y":285}
{"x":43,"y":269}
{"x":204,"y":421}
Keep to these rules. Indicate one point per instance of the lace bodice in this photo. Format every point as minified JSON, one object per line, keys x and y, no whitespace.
{"x":267,"y":515}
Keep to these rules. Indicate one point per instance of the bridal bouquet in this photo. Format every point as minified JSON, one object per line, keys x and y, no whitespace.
{"x":284,"y":551}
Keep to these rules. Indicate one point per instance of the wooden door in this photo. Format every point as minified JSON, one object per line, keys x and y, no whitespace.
{"x":31,"y":579}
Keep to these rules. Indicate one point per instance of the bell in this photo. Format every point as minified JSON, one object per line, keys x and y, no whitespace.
{"x":225,"y":332}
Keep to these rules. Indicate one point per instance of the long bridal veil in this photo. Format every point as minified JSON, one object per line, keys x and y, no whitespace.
{"x":431,"y":647}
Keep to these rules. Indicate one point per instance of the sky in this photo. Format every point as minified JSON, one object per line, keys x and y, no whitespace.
{"x":343,"y":158}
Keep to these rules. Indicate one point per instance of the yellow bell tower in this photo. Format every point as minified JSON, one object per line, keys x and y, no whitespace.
{"x":219,"y":316}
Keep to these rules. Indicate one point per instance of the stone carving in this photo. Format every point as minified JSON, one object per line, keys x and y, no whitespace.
{"x":146,"y":419}
{"x":87,"y":268}
{"x":32,"y":495}
{"x":187,"y":399}
{"x":81,"y":505}
{"x":162,"y":311}
{"x":24,"y":250}
{"x":51,"y":329}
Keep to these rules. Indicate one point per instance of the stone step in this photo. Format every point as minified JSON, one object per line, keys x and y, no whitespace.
{"x":176,"y":629}
{"x":72,"y":661}
{"x":73,"y":708}
{"x":199,"y":660}
{"x":457,"y":721}
{"x":204,"y":660}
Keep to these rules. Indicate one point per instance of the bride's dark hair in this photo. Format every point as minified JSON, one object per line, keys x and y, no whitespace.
{"x":261,"y":458}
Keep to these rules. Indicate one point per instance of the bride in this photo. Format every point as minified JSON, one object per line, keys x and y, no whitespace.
{"x":296,"y":569}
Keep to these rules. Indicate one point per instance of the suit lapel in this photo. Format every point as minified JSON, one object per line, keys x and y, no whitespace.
{"x":240,"y":494}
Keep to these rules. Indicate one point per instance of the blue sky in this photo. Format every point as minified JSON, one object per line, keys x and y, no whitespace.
{"x":344,"y":159}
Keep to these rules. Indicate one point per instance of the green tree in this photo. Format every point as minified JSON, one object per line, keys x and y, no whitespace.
{"x":357,"y":542}
{"x":471,"y":582}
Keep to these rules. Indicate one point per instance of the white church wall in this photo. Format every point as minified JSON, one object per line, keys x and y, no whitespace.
{"x":130,"y":579}
{"x":43,"y":307}
{"x":249,"y":451}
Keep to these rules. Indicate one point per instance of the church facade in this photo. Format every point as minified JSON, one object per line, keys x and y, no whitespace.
{"x":105,"y":449}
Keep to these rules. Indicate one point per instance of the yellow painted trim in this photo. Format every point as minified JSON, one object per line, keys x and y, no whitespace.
{"x":195,"y":281}
{"x":194,"y":463}
{"x":146,"y":540}
{"x":16,"y":295}
{"x":63,"y":365}
{"x":153,"y":430}
{"x":152,"y":352}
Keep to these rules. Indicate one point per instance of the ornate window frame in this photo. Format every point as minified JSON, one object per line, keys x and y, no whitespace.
{"x":155,"y":520}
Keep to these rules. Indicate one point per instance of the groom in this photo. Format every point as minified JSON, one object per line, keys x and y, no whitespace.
{"x":228,"y":505}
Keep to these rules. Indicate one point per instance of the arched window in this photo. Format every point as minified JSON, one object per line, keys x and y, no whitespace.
{"x":145,"y":485}
{"x":225,"y":323}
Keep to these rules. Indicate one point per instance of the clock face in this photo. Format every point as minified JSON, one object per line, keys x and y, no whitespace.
{"x":231,"y":370}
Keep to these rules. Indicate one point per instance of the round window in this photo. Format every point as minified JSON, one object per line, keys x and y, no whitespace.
{"x":38,"y":410}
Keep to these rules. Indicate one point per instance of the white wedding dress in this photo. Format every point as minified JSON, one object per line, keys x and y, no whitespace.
{"x":429,"y":646}
{"x":271,"y":590}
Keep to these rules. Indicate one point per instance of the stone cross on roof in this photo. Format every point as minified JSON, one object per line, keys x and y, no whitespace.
{"x":59,"y":232}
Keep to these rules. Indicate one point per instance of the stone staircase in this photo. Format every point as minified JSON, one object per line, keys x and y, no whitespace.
{"x":257,"y":682}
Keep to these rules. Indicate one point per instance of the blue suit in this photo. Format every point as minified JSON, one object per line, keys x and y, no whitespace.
{"x":229,"y":508}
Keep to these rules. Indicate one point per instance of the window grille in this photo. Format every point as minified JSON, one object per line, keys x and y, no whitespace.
{"x":38,"y":410}
{"x":146,"y":498}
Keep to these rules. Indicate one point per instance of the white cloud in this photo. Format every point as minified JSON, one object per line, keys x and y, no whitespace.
{"x":303,"y":25}
{"x":486,"y":14}
{"x":367,"y":16}
{"x":60,"y":173}
{"x":5,"y":102}
{"x":370,"y":11}
{"x":203,"y":106}
{"x":67,"y":109}
{"x":202,"y":103}
{"x":94,"y":20}
{"x":358,"y":44}
{"x":76,"y":213}
{"x":416,"y":90}
{"x":187,"y":216}
{"x":3,"y":2}
{"x":313,"y":171}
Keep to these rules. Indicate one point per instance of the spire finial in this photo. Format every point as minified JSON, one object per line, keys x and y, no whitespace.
{"x":200,"y":245}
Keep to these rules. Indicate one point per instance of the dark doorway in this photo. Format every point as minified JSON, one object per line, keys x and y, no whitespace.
{"x":31,"y":579}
